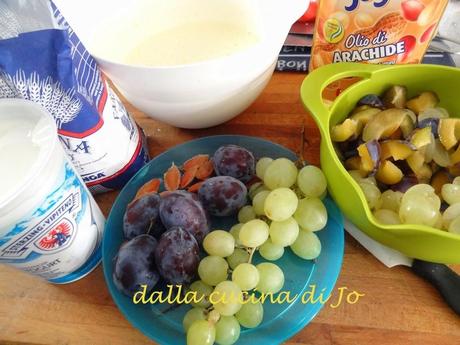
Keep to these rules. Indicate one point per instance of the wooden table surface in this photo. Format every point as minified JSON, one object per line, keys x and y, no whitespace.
{"x":398,"y":307}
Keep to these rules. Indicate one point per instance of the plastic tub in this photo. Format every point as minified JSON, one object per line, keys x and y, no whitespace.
{"x":416,"y":241}
{"x":50,"y":225}
{"x":195,"y":95}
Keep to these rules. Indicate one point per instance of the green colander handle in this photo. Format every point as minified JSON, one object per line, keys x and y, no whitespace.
{"x":312,"y":87}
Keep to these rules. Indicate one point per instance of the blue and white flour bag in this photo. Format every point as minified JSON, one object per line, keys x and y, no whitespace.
{"x":42,"y":60}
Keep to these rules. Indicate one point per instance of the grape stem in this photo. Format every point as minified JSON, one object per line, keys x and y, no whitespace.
{"x":213,"y":317}
{"x":302,"y":145}
{"x":300,"y":163}
{"x":251,"y":253}
{"x":265,"y":219}
{"x":212,"y":321}
{"x":150,"y":227}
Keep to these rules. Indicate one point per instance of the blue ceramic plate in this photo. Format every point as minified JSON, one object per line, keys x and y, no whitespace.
{"x":281,"y":321}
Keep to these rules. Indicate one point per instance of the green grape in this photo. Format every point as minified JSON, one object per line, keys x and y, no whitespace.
{"x":371,"y":180}
{"x":311,"y":214}
{"x":454,"y":226}
{"x":284,"y":233}
{"x":451,"y":193}
{"x":420,"y":205}
{"x":452,"y":212}
{"x":270,"y":251}
{"x":238,"y":257}
{"x":254,"y":186}
{"x":387,"y":217}
{"x":202,"y":290}
{"x":307,"y":246}
{"x":271,"y":278}
{"x":356,"y":175}
{"x":251,"y":314}
{"x":262,"y":165}
{"x":219,"y":243}
{"x":235,"y":232}
{"x":191,"y":316}
{"x":246,"y":214}
{"x":280,"y":204}
{"x":280,"y":173}
{"x":421,"y":188}
{"x":371,"y":192}
{"x":415,"y":210}
{"x":427,"y":192}
{"x":323,"y":196}
{"x":227,"y":330}
{"x":201,"y":332}
{"x":254,"y":233}
{"x":246,"y":276}
{"x":438,"y":223}
{"x":258,"y":203}
{"x":311,"y":181}
{"x":227,"y":298}
{"x":255,"y":189}
{"x":390,"y":200}
{"x":213,"y":270}
{"x":456,"y":180}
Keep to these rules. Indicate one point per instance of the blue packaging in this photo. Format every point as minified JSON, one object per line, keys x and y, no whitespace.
{"x":42,"y":59}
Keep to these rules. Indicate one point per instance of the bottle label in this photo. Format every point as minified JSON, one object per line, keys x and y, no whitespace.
{"x":374,"y":31}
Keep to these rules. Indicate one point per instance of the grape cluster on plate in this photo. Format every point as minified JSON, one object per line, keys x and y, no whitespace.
{"x":166,"y":231}
{"x":405,"y":155}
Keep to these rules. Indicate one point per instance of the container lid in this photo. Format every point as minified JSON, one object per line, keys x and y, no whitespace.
{"x":28,"y":136}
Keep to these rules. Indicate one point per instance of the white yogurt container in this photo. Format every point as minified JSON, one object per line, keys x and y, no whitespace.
{"x":50,"y":225}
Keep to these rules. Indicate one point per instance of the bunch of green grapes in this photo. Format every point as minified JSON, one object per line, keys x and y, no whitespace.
{"x":419,"y":204}
{"x":289,"y":201}
{"x":286,"y":211}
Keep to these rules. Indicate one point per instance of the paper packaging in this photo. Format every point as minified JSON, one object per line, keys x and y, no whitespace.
{"x":378,"y":31}
{"x":41,"y":59}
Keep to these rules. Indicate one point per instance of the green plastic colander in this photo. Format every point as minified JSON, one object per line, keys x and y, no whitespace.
{"x":416,"y":241}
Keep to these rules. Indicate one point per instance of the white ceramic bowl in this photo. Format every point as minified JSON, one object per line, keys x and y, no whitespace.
{"x":196,"y":95}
